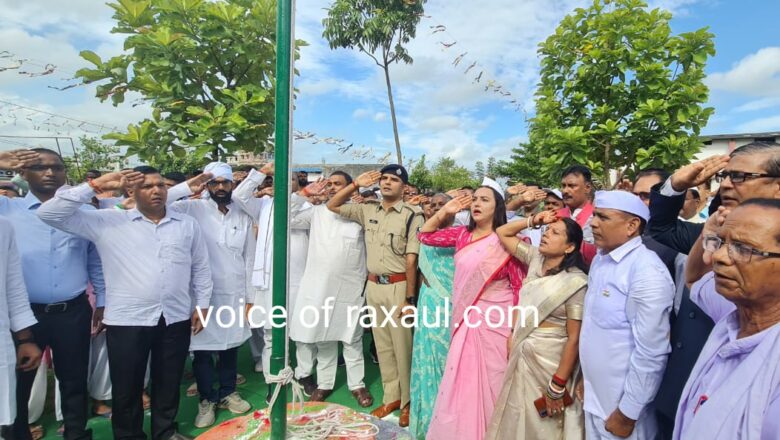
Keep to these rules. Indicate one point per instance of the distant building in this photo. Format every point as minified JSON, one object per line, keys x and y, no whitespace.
{"x":315,"y":171}
{"x":726,"y":143}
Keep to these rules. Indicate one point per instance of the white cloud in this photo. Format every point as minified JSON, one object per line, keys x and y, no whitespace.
{"x":757,"y":74}
{"x":361,"y":113}
{"x":380,"y":116}
{"x":762,"y":124}
{"x":759,"y":104}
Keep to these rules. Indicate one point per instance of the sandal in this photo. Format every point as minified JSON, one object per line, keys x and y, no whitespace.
{"x":363,"y":397}
{"x":192,"y":390}
{"x":147,"y":401}
{"x":240,"y":379}
{"x":37,"y":432}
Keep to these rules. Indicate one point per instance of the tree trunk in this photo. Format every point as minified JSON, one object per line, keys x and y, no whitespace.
{"x":392,"y":114}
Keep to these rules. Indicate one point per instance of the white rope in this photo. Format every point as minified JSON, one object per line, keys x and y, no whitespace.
{"x":327,"y":423}
{"x":286,"y":376}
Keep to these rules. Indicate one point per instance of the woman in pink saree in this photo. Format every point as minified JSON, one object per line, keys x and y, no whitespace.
{"x":487,"y":280}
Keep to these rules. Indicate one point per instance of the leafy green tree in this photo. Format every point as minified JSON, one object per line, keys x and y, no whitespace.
{"x":188,"y":164}
{"x":447,"y":175}
{"x":93,"y":155}
{"x":523,"y":166}
{"x":206,"y":67}
{"x":619,"y":91}
{"x":479,"y":171}
{"x":378,"y":28}
{"x":420,"y":175}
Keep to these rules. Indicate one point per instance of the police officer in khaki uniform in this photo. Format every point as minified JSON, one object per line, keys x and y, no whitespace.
{"x":392,"y":247}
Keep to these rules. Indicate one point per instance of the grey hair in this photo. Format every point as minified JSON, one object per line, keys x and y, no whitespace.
{"x":772,"y":165}
{"x":446,"y":196}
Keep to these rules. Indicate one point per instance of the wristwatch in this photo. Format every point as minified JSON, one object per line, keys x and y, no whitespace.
{"x":412,"y":300}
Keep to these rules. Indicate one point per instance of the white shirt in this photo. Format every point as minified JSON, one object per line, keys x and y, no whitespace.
{"x":462,"y":218}
{"x":587,"y":231}
{"x":15,"y":315}
{"x":15,"y":312}
{"x":624,"y":341}
{"x":230,"y":240}
{"x":150,"y":269}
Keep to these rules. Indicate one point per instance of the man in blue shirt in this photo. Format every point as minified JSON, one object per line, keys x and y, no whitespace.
{"x":57,"y":267}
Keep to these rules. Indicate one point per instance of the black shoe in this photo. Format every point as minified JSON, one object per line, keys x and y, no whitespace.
{"x":342,"y":362}
{"x":308,"y":384}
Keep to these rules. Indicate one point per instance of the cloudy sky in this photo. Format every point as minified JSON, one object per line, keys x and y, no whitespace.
{"x":441,"y":110}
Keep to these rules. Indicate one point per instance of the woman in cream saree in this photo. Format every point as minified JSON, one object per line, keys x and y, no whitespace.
{"x":544,"y":356}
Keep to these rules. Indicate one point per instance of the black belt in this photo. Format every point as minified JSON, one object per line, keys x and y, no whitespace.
{"x":59,"y":307}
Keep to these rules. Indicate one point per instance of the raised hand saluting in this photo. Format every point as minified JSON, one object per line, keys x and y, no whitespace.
{"x":117,"y":181}
{"x":695,"y":174}
{"x":18,"y":159}
{"x":368,"y":179}
{"x":457,"y":205}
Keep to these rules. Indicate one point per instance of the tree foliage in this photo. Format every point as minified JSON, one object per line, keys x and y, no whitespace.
{"x":378,"y":28}
{"x":93,"y":155}
{"x":206,"y":67}
{"x":619,"y":91}
{"x":420,"y":176}
{"x":524,"y":166}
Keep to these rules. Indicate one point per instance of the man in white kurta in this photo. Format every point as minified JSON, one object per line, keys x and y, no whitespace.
{"x":15,"y":316}
{"x":624,"y":341}
{"x":229,"y":236}
{"x":330,"y":296}
{"x":261,"y":210}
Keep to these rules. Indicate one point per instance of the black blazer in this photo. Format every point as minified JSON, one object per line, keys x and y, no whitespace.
{"x":666,"y":227}
{"x":690,"y":330}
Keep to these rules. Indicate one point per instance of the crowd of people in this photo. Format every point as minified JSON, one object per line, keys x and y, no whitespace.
{"x":645,"y":311}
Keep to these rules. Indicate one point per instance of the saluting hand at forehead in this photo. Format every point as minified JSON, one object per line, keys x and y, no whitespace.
{"x":368,"y":179}
{"x":18,"y":159}
{"x":118,"y":180}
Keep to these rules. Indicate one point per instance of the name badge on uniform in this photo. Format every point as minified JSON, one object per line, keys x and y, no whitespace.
{"x":373,"y":222}
{"x":605,"y":292}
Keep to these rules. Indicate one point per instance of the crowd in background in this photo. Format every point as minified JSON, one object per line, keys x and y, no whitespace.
{"x":655,"y":303}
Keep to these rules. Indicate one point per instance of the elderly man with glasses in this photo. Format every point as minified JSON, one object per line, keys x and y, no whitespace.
{"x":734,"y":388}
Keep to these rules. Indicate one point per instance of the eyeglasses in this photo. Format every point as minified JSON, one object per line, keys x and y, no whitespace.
{"x":41,"y":168}
{"x":738,"y":252}
{"x":740,"y":176}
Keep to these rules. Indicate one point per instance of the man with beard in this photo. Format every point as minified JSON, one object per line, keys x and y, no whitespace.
{"x":57,"y":267}
{"x":229,"y":236}
{"x":157,"y":267}
{"x":332,"y":283}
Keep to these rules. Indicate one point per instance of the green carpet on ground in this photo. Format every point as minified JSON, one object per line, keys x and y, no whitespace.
{"x":254,"y":391}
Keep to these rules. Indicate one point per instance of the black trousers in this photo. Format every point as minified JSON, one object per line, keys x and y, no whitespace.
{"x":129,"y":348}
{"x":68,"y":335}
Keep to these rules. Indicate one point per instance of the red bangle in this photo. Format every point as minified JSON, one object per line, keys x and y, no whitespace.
{"x":558,"y":381}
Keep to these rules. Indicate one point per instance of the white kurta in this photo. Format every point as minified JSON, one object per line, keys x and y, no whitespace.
{"x":230,"y":240}
{"x":335,"y":270}
{"x":261,"y":209}
{"x":15,"y":315}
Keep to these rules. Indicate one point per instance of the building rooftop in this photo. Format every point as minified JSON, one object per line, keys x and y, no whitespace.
{"x":768,"y":134}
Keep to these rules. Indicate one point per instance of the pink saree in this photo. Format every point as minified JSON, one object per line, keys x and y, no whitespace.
{"x":487,"y":280}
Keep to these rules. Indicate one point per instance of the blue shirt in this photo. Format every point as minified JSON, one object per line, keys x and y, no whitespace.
{"x":624,"y":341}
{"x":56,"y":265}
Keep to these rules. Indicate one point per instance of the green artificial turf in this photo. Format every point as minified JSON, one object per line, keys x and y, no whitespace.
{"x":254,"y":391}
